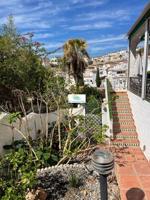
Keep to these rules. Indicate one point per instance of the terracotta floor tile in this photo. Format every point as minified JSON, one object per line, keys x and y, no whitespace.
{"x":147,"y":193}
{"x":127,"y":182}
{"x":142,"y":168}
{"x":145,"y":181}
{"x":123,"y":194}
{"x":132,"y":168}
{"x":126,"y":170}
{"x":130,"y":158}
{"x":140,"y":157}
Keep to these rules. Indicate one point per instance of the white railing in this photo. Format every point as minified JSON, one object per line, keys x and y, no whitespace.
{"x":118,"y":83}
{"x":106,"y":111}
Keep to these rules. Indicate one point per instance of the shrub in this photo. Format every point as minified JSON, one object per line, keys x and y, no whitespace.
{"x":98,"y":80}
{"x":74,"y":180}
{"x":93,"y":105}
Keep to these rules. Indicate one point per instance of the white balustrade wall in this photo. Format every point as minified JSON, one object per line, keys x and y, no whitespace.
{"x":118,"y":83}
{"x":141,"y":114}
{"x":34,"y":123}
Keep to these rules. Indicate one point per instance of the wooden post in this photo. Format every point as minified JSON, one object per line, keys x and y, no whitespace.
{"x":144,"y":76}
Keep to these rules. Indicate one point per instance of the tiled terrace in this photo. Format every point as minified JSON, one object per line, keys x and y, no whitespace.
{"x":133,"y":171}
{"x":132,"y":168}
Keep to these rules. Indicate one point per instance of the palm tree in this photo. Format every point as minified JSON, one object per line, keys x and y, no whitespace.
{"x":76,"y":59}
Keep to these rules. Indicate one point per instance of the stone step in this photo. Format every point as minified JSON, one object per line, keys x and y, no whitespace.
{"x":121,"y":99}
{"x":121,"y":107}
{"x":123,"y":135}
{"x":124,"y":130}
{"x":119,"y":103}
{"x":124,"y":126}
{"x":124,"y":142}
{"x":123,"y":122}
{"x":122,"y":116}
{"x":127,"y":137}
{"x":120,"y":93}
{"x":121,"y":111}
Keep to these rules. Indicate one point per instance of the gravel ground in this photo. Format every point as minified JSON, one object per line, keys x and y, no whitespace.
{"x":56,"y":182}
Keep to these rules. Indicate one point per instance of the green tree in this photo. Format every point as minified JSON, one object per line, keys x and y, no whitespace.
{"x":20,"y":61}
{"x":76,"y":59}
{"x":9,"y":29}
{"x":98,"y":80}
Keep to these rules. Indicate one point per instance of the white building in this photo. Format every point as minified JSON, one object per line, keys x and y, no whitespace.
{"x":90,"y":77}
{"x":138,"y":82}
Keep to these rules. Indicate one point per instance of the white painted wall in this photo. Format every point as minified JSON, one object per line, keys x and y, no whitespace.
{"x":106,"y":119}
{"x":141,"y":114}
{"x":35,"y":123}
{"x":80,"y":110}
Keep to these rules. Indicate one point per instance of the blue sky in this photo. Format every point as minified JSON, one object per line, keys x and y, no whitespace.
{"x":102,"y":23}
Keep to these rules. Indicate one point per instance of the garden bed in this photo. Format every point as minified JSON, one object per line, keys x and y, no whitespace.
{"x":77,"y":181}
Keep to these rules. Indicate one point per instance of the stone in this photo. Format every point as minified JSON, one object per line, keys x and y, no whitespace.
{"x":38,"y":194}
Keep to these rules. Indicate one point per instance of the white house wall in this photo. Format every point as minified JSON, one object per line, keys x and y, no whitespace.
{"x":141,"y":115}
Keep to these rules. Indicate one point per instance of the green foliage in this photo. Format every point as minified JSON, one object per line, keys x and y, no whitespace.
{"x":20,"y":63}
{"x":148,"y":74}
{"x":76,"y":59}
{"x":93,"y":105}
{"x":98,"y":80}
{"x":110,"y":100}
{"x":74,"y":180}
{"x":9,"y":29}
{"x":21,"y":68}
{"x":89,"y":91}
{"x":11,"y":194}
{"x":19,"y":173}
{"x":13,"y":117}
{"x":55,"y":92}
{"x":99,"y":134}
{"x":18,"y":168}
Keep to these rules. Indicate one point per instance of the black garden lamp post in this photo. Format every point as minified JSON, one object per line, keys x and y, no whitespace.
{"x":103,"y":163}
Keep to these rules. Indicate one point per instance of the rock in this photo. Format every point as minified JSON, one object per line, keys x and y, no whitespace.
{"x":41,"y":194}
{"x":30,"y":196}
{"x":38,"y":194}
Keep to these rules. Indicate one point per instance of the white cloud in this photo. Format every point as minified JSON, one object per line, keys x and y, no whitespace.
{"x":108,"y":47}
{"x":77,"y":1}
{"x":29,"y":16}
{"x":95,"y":49}
{"x":54,"y":45}
{"x":43,"y":35}
{"x":87,"y":3}
{"x":9,"y":3}
{"x":107,"y":43}
{"x":108,"y":38}
{"x":109,"y":14}
{"x":85,"y":27}
{"x":30,"y":22}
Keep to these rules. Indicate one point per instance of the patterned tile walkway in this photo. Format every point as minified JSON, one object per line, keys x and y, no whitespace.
{"x":132,"y":168}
